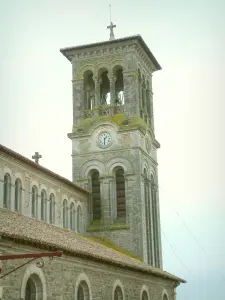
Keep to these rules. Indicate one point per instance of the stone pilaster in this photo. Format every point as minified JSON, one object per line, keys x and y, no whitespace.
{"x":12,"y":194}
{"x":144,"y":221}
{"x":105,"y":185}
{"x":131,"y":97}
{"x":78,"y":100}
{"x":27,"y":197}
{"x":159,"y":242}
{"x":1,"y":186}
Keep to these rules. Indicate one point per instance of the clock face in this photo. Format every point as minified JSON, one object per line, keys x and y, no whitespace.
{"x":104,"y":140}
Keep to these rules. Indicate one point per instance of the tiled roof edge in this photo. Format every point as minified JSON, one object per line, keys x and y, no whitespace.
{"x":93,"y":257}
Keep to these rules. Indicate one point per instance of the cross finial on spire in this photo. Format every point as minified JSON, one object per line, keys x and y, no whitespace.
{"x":111,"y":26}
{"x":36,"y":157}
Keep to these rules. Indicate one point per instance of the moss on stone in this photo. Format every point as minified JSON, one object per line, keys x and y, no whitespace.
{"x":119,"y":119}
{"x":110,"y":244}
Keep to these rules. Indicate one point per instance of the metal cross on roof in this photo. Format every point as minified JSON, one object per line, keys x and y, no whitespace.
{"x":111,"y":26}
{"x":36,"y":157}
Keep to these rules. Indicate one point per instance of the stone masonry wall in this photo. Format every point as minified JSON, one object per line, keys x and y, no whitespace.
{"x":61,"y":277}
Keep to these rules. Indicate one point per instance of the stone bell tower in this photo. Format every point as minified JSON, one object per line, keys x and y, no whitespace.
{"x":113,"y":142}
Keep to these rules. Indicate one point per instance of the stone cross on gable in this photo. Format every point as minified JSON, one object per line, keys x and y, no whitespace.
{"x":111,"y":26}
{"x":36,"y":157}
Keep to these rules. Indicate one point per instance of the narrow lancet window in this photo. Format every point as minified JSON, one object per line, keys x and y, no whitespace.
{"x":52,"y":209}
{"x":65,"y":214}
{"x":43,"y":204}
{"x":7,"y":191}
{"x":18,"y":194}
{"x":34,"y":201}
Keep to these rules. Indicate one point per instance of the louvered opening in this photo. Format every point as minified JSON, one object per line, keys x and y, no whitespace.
{"x":96,"y":197}
{"x":120,"y":194}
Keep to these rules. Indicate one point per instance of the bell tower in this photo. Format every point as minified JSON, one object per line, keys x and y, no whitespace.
{"x":114,"y":149}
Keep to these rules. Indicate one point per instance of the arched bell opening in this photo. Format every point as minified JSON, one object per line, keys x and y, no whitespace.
{"x":104,"y":87}
{"x":119,"y":85}
{"x":89,"y":90}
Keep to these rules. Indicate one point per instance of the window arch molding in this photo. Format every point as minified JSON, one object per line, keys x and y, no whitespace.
{"x":33,"y":270}
{"x":83,"y":277}
{"x":145,"y":166}
{"x":145,"y":291}
{"x":119,"y":162}
{"x":117,"y":284}
{"x":165,"y":295}
{"x":92,"y":164}
{"x":85,"y":69}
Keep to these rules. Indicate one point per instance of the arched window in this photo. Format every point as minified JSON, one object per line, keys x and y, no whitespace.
{"x":65,"y":214}
{"x":72,"y":216}
{"x":96,"y":197}
{"x":118,"y":294}
{"x":7,"y":191}
{"x":83,"y":291}
{"x":52,"y":209}
{"x":34,"y":201}
{"x":155,"y":220}
{"x":79,"y":219}
{"x":120,"y":195}
{"x":43,"y":204}
{"x":34,"y":289}
{"x":144,"y":296}
{"x":18,"y":194}
{"x":165,"y":297}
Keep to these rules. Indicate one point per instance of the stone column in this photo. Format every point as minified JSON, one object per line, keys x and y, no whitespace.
{"x":112,"y":88}
{"x":78,"y":100}
{"x":97,"y":91}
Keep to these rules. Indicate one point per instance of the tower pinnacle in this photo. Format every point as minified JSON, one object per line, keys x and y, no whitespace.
{"x":111,"y":26}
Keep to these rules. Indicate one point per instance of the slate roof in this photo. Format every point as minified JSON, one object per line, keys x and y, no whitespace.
{"x":138,"y":37}
{"x":38,"y":167}
{"x":38,"y":233}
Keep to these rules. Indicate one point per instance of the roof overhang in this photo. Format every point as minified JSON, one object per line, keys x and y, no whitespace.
{"x":135,"y":38}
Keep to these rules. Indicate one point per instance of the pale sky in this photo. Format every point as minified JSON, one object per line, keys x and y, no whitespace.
{"x":188,"y":40}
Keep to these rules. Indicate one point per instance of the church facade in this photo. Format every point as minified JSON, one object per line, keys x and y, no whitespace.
{"x":107,"y":221}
